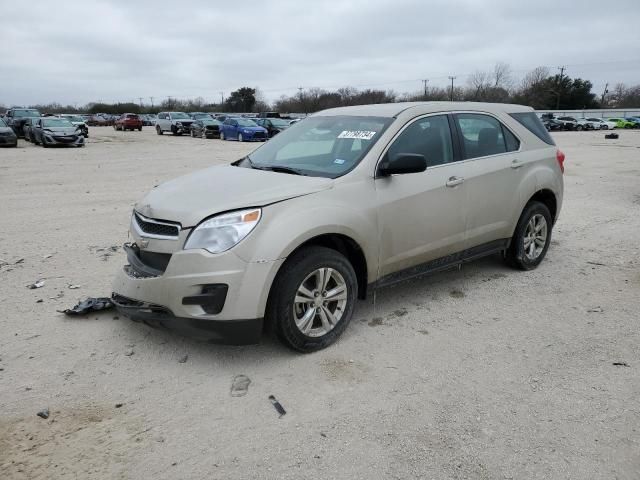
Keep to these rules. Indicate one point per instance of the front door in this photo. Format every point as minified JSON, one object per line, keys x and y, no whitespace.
{"x":421,"y":216}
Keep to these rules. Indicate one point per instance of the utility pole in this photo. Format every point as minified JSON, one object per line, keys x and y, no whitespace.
{"x":425,"y":81}
{"x":562,"y":69}
{"x":140,"y":98}
{"x":452,"y":79}
{"x":604,"y":94}
{"x":221,"y":98}
{"x":151,"y":98}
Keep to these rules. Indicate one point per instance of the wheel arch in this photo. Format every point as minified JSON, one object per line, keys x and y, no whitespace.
{"x":548,"y":198}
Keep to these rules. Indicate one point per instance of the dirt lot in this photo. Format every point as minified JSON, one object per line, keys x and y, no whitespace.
{"x":478,"y":373}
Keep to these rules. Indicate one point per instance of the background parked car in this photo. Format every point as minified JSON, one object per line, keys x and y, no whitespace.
{"x":552,"y":124}
{"x":621,"y":122}
{"x":634,"y":120}
{"x":243,"y":130}
{"x":148,"y":120}
{"x":601,"y":124}
{"x":128,"y":121}
{"x":8,"y":137}
{"x":27,"y":129}
{"x":79,"y":122}
{"x":97,"y":121}
{"x":175,"y":122}
{"x":50,"y":131}
{"x":206,"y":128}
{"x":273,"y":125}
{"x":568,"y":123}
{"x":16,"y":117}
{"x":199,"y":115}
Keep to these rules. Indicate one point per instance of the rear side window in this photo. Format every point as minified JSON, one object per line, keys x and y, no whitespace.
{"x":483,"y":135}
{"x":531,"y":122}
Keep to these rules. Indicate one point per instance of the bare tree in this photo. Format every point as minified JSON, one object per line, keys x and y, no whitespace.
{"x":502,"y":76}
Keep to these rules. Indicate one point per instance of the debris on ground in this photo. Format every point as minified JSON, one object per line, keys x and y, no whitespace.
{"x":73,"y":287}
{"x":4,"y":263}
{"x":43,"y":413}
{"x":118,"y":405}
{"x":129,"y":353}
{"x":89,"y":305}
{"x":621,"y":364}
{"x":597,"y":309}
{"x":276,"y":404}
{"x":183,"y":359}
{"x":49,"y":255}
{"x":240,"y":385}
{"x":39,"y":301}
{"x":36,"y":284}
{"x":611,"y":136}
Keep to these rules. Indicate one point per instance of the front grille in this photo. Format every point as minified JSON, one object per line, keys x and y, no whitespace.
{"x":65,"y":139}
{"x":259,"y":135}
{"x":152,"y":227}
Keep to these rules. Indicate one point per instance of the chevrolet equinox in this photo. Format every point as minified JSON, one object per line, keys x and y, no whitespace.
{"x":346,"y":201}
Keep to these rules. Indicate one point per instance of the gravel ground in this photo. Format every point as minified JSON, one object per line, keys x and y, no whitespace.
{"x":478,"y":373}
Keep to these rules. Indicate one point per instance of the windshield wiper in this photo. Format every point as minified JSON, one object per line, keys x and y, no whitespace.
{"x":278,"y":168}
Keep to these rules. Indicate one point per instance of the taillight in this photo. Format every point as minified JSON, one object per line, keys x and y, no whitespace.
{"x":560,"y":158}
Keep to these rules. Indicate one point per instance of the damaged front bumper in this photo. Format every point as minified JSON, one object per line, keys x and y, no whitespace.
{"x":219,"y":298}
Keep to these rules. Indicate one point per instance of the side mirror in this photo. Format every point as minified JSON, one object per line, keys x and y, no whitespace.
{"x":402,"y":163}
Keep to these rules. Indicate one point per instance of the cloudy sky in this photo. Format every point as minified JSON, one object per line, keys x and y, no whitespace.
{"x":117,"y":50}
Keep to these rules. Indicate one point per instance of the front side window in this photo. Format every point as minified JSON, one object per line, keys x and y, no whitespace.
{"x":428,"y":136}
{"x":483,"y":135}
{"x":321,"y":146}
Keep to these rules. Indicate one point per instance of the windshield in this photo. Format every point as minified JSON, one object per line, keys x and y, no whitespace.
{"x":56,"y":122}
{"x":201,"y":115}
{"x":276,"y":122}
{"x":322,"y":146}
{"x":75,"y":118}
{"x":209,"y":121}
{"x":243,"y":122}
{"x":26,"y":113}
{"x":180,"y":115}
{"x":2,"y":124}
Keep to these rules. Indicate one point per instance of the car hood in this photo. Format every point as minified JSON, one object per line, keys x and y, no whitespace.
{"x":63,"y":130}
{"x":6,"y":130}
{"x":194,"y":197}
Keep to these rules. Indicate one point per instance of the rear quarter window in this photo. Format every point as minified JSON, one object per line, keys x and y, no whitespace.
{"x":531,"y":122}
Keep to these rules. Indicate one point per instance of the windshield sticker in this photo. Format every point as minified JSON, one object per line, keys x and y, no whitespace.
{"x":339,"y":161}
{"x":358,"y":134}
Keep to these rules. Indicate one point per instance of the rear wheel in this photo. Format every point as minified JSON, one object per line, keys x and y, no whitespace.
{"x":139,"y":129}
{"x":193,"y":134}
{"x":312,"y":299}
{"x":240,"y":139}
{"x":531,"y":239}
{"x":159,"y":130}
{"x":221,"y":135}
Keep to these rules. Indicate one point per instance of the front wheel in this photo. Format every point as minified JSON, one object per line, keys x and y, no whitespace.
{"x":158,"y":130}
{"x":312,"y":299}
{"x":532,"y":237}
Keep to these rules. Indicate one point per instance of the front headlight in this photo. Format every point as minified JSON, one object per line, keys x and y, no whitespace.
{"x":220,"y":233}
{"x":179,"y":124}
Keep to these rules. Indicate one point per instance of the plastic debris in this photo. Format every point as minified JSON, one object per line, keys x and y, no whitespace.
{"x":43,"y":413}
{"x":89,"y":305}
{"x":73,"y":287}
{"x":240,"y":386}
{"x":611,"y":136}
{"x":183,"y":359}
{"x":37,"y":284}
{"x":118,"y":405}
{"x":276,"y":404}
{"x":621,"y":364}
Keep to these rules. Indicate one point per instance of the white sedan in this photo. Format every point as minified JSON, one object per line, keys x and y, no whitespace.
{"x":601,"y":123}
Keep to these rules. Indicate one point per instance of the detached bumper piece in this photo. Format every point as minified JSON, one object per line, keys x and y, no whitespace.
{"x":228,"y":332}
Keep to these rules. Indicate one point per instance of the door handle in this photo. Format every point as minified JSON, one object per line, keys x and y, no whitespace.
{"x":516,"y":164}
{"x":454,"y":181}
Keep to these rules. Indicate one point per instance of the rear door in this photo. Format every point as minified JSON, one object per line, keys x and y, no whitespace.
{"x":492,"y":179}
{"x":421,"y":216}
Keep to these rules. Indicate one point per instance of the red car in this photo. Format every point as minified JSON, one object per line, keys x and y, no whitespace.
{"x":128,"y":121}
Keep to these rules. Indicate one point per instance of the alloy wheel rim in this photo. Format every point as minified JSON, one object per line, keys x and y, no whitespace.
{"x":535,"y":236}
{"x":320,"y":302}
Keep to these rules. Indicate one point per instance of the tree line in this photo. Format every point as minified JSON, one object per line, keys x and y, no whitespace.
{"x":538,"y":89}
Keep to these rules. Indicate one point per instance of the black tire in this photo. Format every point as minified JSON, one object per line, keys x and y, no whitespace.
{"x":159,"y":130}
{"x":515,"y":255}
{"x":139,"y":129}
{"x":298,"y":266}
{"x":221,"y":136}
{"x":193,"y":134}
{"x":579,"y":128}
{"x":44,"y":144}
